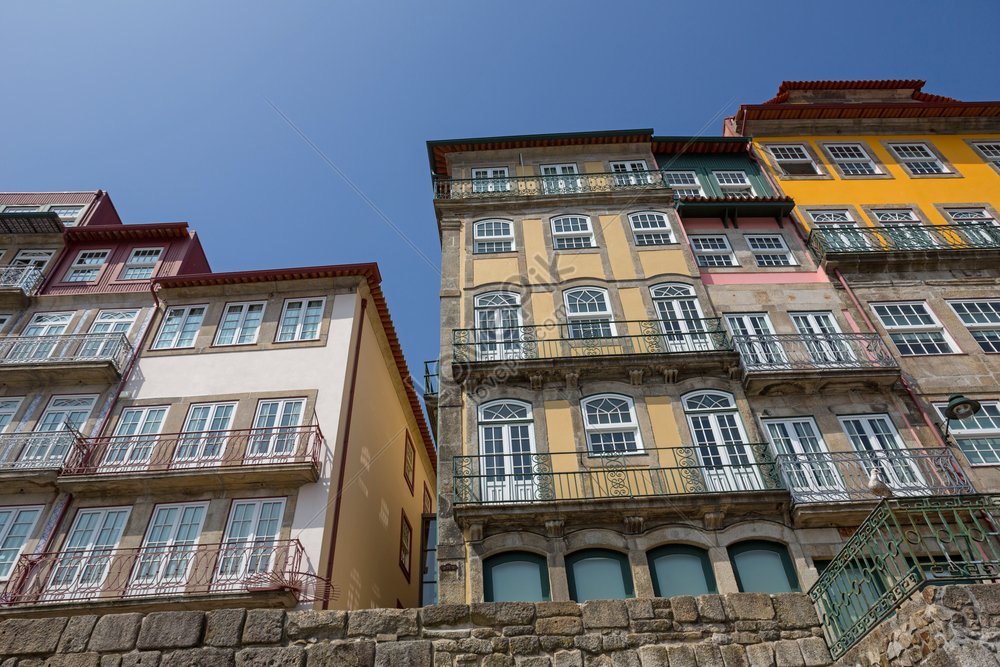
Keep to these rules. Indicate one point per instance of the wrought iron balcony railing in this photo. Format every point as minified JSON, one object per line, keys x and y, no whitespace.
{"x":903,"y":546}
{"x":530,"y":477}
{"x":835,"y":351}
{"x":590,"y":338}
{"x":38,"y":450}
{"x":66,"y":349}
{"x":22,"y":278}
{"x":903,"y":237}
{"x":202,"y":450}
{"x":534,"y":186}
{"x":829,"y":477}
{"x":94,"y":575}
{"x":430,"y":379}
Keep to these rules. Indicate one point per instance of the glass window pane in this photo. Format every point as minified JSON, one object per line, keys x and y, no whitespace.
{"x":597,"y":576}
{"x":680,"y":573}
{"x":762,"y":568}
{"x":517,"y":581}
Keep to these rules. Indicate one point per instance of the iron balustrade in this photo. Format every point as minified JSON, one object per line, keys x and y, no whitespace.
{"x":533,"y":186}
{"x":825,"y":477}
{"x":903,"y":237}
{"x":200,"y":450}
{"x":38,"y":450}
{"x":66,"y":349}
{"x":903,"y":546}
{"x":101,"y":574}
{"x":590,"y":338}
{"x":833,"y":351}
{"x":542,"y":477}
{"x":22,"y":278}
{"x":430,"y":378}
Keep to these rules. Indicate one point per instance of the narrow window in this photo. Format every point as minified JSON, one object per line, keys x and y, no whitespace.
{"x":611,"y":425}
{"x":174,"y":529}
{"x":134,"y":439}
{"x":794,"y":160}
{"x":507,"y":449}
{"x":240,"y":323}
{"x":979,"y":436}
{"x":678,"y":569}
{"x":498,"y":326}
{"x":87,"y":266}
{"x":141,"y":264}
{"x":493,"y":236}
{"x":598,"y":574}
{"x":877,"y":442}
{"x":409,"y":462}
{"x":180,"y":327}
{"x":710,"y":251}
{"x":16,"y":524}
{"x":589,"y":313}
{"x":918,"y":159}
{"x":684,"y":183}
{"x":913,"y":328}
{"x":405,"y":544}
{"x":113,"y":325}
{"x":763,"y":567}
{"x":560,"y":178}
{"x":852,"y":159}
{"x":8,"y":408}
{"x":84,"y":561}
{"x":723,"y":450}
{"x":300,"y":320}
{"x":206,"y":434}
{"x":250,"y":544}
{"x":631,"y":173}
{"x":651,"y":228}
{"x":734,"y":184}
{"x":490,"y":179}
{"x":515,"y":576}
{"x":428,"y":501}
{"x":571,"y":232}
{"x":770,"y":250}
{"x":983,"y":321}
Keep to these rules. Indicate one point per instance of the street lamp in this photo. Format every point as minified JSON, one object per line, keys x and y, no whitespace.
{"x":959,"y":407}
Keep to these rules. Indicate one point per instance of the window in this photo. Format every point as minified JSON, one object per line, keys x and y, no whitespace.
{"x":169,"y":548}
{"x":678,"y":569}
{"x":34,"y":258}
{"x":572,"y":231}
{"x":598,"y":574}
{"x":516,"y":576}
{"x":891,"y":215}
{"x":734,"y":184}
{"x":983,"y":320}
{"x":918,"y":159}
{"x":87,"y":266}
{"x":8,"y":408}
{"x":989,"y":150}
{"x":611,"y":425}
{"x":913,"y":328}
{"x":204,"y":438}
{"x":651,"y":229}
{"x":240,"y":323}
{"x":974,"y":227}
{"x":721,"y":443}
{"x":970,"y":216}
{"x":498,"y":326}
{"x":16,"y":524}
{"x":134,"y":439}
{"x":409,"y":462}
{"x":83,"y":563}
{"x":631,"y":173}
{"x":712,"y":251}
{"x":770,"y":250}
{"x":684,"y":183}
{"x":141,"y":263}
{"x":67,"y":214}
{"x":490,"y":179}
{"x":681,"y":319}
{"x":589,"y":313}
{"x":507,"y":448}
{"x":276,"y":433}
{"x":811,"y":471}
{"x":248,"y":547}
{"x":300,"y":320}
{"x":794,"y":160}
{"x":493,"y":236}
{"x":63,"y":414}
{"x":21,"y":209}
{"x":405,"y":544}
{"x":875,"y":439}
{"x":180,"y":327}
{"x":763,"y":567}
{"x":559,"y":178}
{"x":428,"y":501}
{"x":852,"y":159}
{"x":108,"y":323}
{"x":831,"y":216}
{"x":979,"y":435}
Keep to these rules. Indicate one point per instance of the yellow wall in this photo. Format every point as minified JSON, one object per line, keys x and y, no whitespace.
{"x":979,"y":183}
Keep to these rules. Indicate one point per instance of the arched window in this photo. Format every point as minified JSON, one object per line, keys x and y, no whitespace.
{"x":720,"y":440}
{"x":763,"y":567}
{"x":681,"y":318}
{"x":507,"y":447}
{"x":589,"y":313}
{"x":515,"y":576}
{"x":611,"y":425}
{"x":599,"y":574}
{"x":679,"y":569}
{"x":572,"y":231}
{"x":493,"y":236}
{"x":651,"y":228}
{"x":498,"y":326}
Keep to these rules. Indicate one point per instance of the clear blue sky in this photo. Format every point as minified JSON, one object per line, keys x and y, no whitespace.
{"x":164,"y":104}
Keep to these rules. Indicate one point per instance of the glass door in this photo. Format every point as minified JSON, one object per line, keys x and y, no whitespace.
{"x":822,"y":339}
{"x":249,"y":546}
{"x":135,"y":437}
{"x":490,"y":179}
{"x":498,"y":326}
{"x":43,"y":326}
{"x":83,"y":564}
{"x":755,"y":339}
{"x":810,"y":469}
{"x":168,"y":549}
{"x":49,"y":443}
{"x":631,"y":173}
{"x":681,"y":319}
{"x":205,"y":434}
{"x":560,"y":178}
{"x":107,"y":322}
{"x":880,"y":448}
{"x":276,"y":430}
{"x":721,"y":443}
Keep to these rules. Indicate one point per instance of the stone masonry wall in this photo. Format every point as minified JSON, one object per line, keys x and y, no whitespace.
{"x":735,"y":630}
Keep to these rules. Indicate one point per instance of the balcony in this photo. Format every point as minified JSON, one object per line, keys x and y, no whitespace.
{"x":431,"y":392}
{"x":906,"y":246}
{"x":595,"y":348}
{"x":826,"y":483}
{"x":812,"y":363}
{"x":522,"y":486}
{"x":30,"y":460}
{"x":516,"y":187}
{"x":94,"y":358}
{"x":31,"y":222}
{"x":284,"y":456}
{"x":17,"y":283}
{"x":206,"y":575}
{"x":902,"y":547}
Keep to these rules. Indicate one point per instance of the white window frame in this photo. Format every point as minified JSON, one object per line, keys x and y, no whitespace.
{"x":646,"y":234}
{"x":9,"y":405}
{"x":186,"y":316}
{"x":146,"y":266}
{"x":490,"y":179}
{"x":568,"y":239}
{"x":486,"y":244}
{"x":743,"y":190}
{"x":96,"y":563}
{"x":506,"y":472}
{"x":12,"y":209}
{"x":81,"y":266}
{"x":988,"y":329}
{"x":702,"y":255}
{"x":241,"y":323}
{"x":820,"y":212}
{"x":935,"y":327}
{"x":194,"y":448}
{"x":66,"y":220}
{"x":16,"y":511}
{"x":236,"y":552}
{"x":631,"y":172}
{"x":843,"y":160}
{"x":685,"y":189}
{"x":588,"y":319}
{"x":989,"y":150}
{"x":912,"y":162}
{"x":165,"y":564}
{"x":565,"y":179}
{"x":805,"y":158}
{"x":762,"y":255}
{"x":631,"y":426}
{"x":36,"y":257}
{"x":977,"y":435}
{"x":297,"y":335}
{"x":811,"y":470}
{"x":894,"y":216}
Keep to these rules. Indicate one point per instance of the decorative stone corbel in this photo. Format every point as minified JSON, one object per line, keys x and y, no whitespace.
{"x":635,"y":375}
{"x":634,"y":525}
{"x":734,"y":372}
{"x":555,"y":527}
{"x":670,"y":375}
{"x":537,"y":381}
{"x":572,"y":380}
{"x":713,"y":520}
{"x":475,"y":532}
